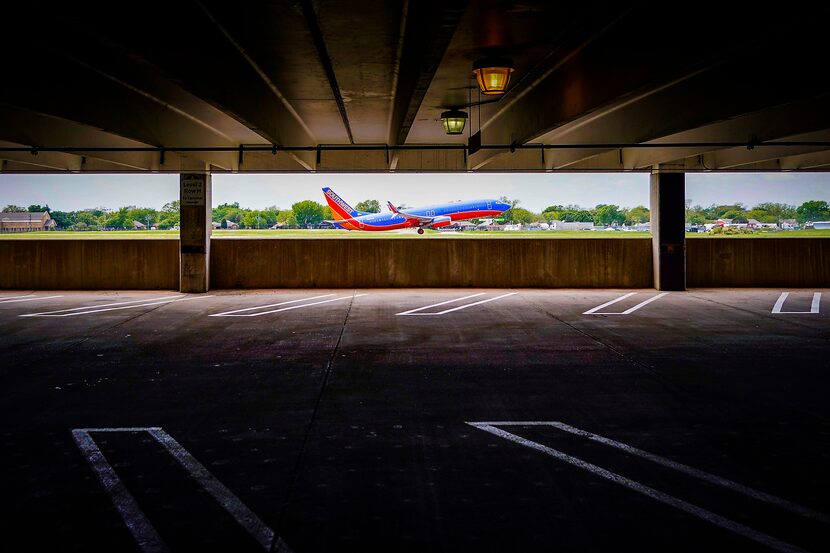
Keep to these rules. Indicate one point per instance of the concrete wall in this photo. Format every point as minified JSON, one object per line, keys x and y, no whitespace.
{"x":779,"y":262}
{"x":87,"y":264}
{"x":403,"y":262}
{"x":503,"y":262}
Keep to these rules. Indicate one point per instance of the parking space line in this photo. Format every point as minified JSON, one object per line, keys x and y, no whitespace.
{"x":779,"y":304}
{"x":627,"y":311}
{"x":414,"y":312}
{"x":89,"y":309}
{"x":290,"y":308}
{"x":411,"y":311}
{"x":226,"y":313}
{"x":142,"y":530}
{"x":680,"y":467}
{"x":606,"y":304}
{"x":137,"y":522}
{"x":16,"y":299}
{"x":633,"y":485}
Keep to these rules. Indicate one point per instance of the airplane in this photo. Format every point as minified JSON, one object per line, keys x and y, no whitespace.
{"x":434,"y":216}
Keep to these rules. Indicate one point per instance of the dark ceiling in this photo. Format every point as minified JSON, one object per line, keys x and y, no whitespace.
{"x":358,"y":85}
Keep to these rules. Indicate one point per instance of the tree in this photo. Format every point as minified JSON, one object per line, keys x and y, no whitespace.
{"x":115,"y":219}
{"x":11,"y":208}
{"x":370,"y":206}
{"x":733,"y":214}
{"x":307,"y":213}
{"x":224,"y":212}
{"x":513,"y":203}
{"x":35,"y":208}
{"x":63,"y":219}
{"x":637,"y":215}
{"x":520,"y":215}
{"x":779,"y":211}
{"x":287,"y":217}
{"x":86,"y":219}
{"x":606,"y":214}
{"x":169,"y":216}
{"x":815,"y":210}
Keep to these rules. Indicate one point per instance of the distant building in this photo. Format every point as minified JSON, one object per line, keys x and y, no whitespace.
{"x":230,"y":225}
{"x":571,"y":225}
{"x":789,"y":224}
{"x":216,"y":225}
{"x":138,"y":225}
{"x":28,"y":221}
{"x":821,"y":224}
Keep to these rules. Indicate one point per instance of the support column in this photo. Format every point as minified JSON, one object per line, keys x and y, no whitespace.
{"x":668,"y":228}
{"x":195,"y":225}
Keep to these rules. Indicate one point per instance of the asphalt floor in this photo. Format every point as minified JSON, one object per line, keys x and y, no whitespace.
{"x":416,"y":420}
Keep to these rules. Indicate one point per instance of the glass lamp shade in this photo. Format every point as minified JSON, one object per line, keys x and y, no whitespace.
{"x":454,"y":121}
{"x":493,"y":75}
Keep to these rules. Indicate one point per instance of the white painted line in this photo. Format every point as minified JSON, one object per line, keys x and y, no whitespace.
{"x":238,"y":510}
{"x":814,"y":306}
{"x":90,"y":310}
{"x":473,"y":304}
{"x":680,"y":467}
{"x":135,"y":519}
{"x":103,"y":305}
{"x":780,"y":303}
{"x":292,"y":307}
{"x":267,"y":306}
{"x":440,"y":304}
{"x":641,"y":304}
{"x":137,"y":522}
{"x":606,"y":304}
{"x":657,"y":495}
{"x":31,"y":298}
{"x":627,"y":311}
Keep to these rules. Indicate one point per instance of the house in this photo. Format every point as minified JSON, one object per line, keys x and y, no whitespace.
{"x":789,"y":224}
{"x":216,"y":225}
{"x":821,"y":224}
{"x":27,"y":221}
{"x":138,"y":225}
{"x":230,"y":225}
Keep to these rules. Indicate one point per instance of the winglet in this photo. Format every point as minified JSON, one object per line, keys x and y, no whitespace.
{"x":391,"y":207}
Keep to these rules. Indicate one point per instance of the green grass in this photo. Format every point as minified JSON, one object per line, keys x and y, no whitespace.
{"x":429,"y":234}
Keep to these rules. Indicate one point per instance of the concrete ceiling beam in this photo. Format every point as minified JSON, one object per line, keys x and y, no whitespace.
{"x":586,"y":98}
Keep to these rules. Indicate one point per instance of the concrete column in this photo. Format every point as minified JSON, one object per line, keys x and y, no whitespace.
{"x":668,"y":228}
{"x":195,"y":225}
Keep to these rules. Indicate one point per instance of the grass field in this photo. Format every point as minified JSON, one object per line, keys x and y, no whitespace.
{"x":429,"y":234}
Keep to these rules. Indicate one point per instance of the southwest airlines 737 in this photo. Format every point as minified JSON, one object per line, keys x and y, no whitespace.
{"x":433,"y":216}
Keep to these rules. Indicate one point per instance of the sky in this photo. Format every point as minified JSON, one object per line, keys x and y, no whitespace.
{"x":70,"y":192}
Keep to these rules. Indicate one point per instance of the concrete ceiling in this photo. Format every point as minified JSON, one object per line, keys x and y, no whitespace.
{"x":359,"y":85}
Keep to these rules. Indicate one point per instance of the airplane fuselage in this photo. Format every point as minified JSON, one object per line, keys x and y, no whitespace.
{"x":457,"y":211}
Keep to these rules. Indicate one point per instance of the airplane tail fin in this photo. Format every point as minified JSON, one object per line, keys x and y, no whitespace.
{"x":391,"y":207}
{"x":339,"y":208}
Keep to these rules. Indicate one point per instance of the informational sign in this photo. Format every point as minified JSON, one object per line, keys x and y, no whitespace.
{"x":193,"y":189}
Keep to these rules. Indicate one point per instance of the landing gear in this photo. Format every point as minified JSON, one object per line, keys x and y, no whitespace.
{"x":420,"y":231}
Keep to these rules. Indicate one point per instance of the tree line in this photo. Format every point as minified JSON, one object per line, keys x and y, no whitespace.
{"x":310,"y":213}
{"x":767,"y":212}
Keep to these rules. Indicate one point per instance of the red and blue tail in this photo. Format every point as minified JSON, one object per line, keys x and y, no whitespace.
{"x":339,"y":208}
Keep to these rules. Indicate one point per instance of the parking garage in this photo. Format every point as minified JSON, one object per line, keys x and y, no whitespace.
{"x":643,"y":393}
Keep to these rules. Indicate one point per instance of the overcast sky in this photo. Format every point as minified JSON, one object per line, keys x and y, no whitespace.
{"x":69,"y":192}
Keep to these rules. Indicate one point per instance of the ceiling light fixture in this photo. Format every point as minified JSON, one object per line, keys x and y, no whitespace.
{"x":454,"y":121}
{"x":493,"y":74}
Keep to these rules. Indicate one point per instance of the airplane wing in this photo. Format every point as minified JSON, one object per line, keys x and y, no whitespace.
{"x":420,"y":218}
